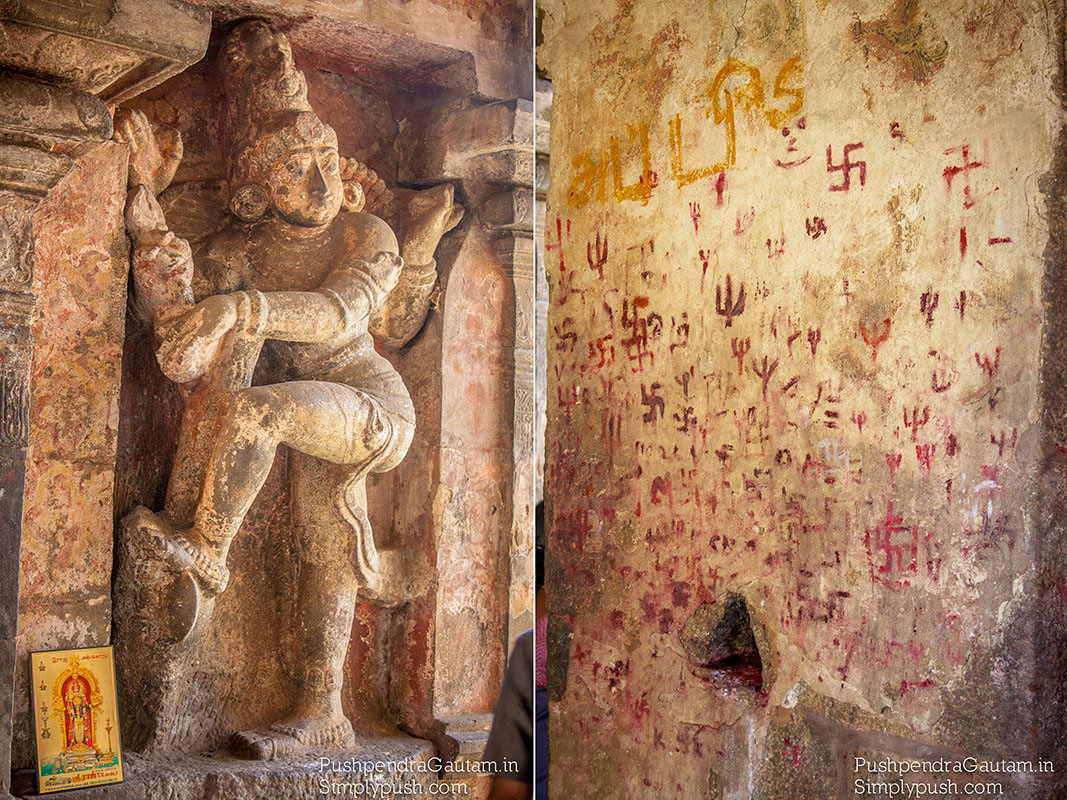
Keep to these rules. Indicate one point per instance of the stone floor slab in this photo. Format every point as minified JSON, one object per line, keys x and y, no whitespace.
{"x":378,"y":767}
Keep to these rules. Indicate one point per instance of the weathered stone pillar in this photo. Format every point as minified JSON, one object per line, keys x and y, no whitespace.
{"x":33,"y":119}
{"x":805,"y":470}
{"x":484,"y":466}
{"x":98,"y":51}
{"x":543,"y":111}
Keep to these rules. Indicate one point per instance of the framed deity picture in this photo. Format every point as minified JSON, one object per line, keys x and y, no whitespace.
{"x":76,"y":718}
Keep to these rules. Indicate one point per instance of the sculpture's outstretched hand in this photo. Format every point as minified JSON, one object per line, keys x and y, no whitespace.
{"x":191,"y":342}
{"x":155,"y":150}
{"x":431,"y":214}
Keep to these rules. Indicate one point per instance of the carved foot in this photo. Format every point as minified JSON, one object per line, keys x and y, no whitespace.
{"x":294,"y":736}
{"x":183,"y":551}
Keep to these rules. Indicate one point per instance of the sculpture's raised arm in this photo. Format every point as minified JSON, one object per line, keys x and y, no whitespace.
{"x":425,"y":216}
{"x":162,"y":262}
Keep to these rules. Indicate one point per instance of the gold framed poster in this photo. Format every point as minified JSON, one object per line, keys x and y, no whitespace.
{"x":76,"y":718}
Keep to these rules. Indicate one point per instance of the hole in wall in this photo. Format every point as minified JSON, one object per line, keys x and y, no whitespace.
{"x":723,"y":647}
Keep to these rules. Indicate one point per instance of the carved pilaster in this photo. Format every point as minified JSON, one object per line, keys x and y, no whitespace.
{"x":511,"y":215}
{"x":486,"y":480}
{"x":543,"y":105}
{"x":24,"y":179}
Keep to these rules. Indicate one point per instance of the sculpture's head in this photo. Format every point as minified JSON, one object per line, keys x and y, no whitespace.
{"x":291,"y":167}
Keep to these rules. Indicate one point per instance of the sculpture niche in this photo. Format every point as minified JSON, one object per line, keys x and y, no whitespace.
{"x":300,"y":266}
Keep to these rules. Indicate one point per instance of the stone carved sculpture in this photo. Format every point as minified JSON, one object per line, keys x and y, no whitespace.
{"x":302,"y":267}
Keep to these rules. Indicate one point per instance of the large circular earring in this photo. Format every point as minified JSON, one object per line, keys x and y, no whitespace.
{"x":249,"y":202}
{"x":353,"y":199}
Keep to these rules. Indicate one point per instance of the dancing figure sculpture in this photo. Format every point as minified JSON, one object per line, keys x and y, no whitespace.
{"x":300,"y":266}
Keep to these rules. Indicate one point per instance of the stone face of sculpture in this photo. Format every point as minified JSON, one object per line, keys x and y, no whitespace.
{"x":300,"y":267}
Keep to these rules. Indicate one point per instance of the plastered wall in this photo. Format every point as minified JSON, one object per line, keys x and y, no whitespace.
{"x":799,"y":362}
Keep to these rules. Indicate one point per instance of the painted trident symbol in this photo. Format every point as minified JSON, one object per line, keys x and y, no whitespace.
{"x":730,"y":309}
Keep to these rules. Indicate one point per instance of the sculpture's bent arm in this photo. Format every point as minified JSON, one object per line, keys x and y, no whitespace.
{"x":428,"y":215}
{"x":368,"y":271}
{"x":347,"y":297}
{"x":402,"y":316}
{"x":351,"y":291}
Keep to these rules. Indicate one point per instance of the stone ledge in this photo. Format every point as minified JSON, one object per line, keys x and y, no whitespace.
{"x":223,"y":777}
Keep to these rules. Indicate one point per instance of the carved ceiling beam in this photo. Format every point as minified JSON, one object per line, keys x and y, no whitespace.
{"x":113,"y":49}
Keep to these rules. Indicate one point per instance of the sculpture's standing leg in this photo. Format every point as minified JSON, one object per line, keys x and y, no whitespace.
{"x":326,"y":499}
{"x":326,"y":594}
{"x":336,"y":548}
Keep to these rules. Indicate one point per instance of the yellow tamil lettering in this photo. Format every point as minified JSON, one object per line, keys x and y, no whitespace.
{"x":678,"y":172}
{"x":590,"y":180}
{"x":790,"y":70}
{"x":748,"y":96}
{"x":642,"y":190}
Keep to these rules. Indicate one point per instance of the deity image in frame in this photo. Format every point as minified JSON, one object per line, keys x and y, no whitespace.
{"x":76,"y":719}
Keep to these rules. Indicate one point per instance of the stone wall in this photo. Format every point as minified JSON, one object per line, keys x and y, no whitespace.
{"x":802,"y":460}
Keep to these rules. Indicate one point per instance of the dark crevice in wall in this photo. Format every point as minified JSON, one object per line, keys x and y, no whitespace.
{"x":721,"y":645}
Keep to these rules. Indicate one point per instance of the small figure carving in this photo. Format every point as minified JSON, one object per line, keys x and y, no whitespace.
{"x":303,"y":269}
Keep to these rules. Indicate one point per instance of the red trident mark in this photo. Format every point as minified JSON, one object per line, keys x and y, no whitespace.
{"x":764,"y":372}
{"x":925,"y":454}
{"x":814,"y":337}
{"x":927,"y":304}
{"x":859,"y":417}
{"x":989,"y":366}
{"x":941,"y":380}
{"x":892,"y":460}
{"x":705,"y":256}
{"x":740,"y":348}
{"x":916,"y":420}
{"x":600,"y":259}
{"x":731,"y":309}
{"x":876,"y":335}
